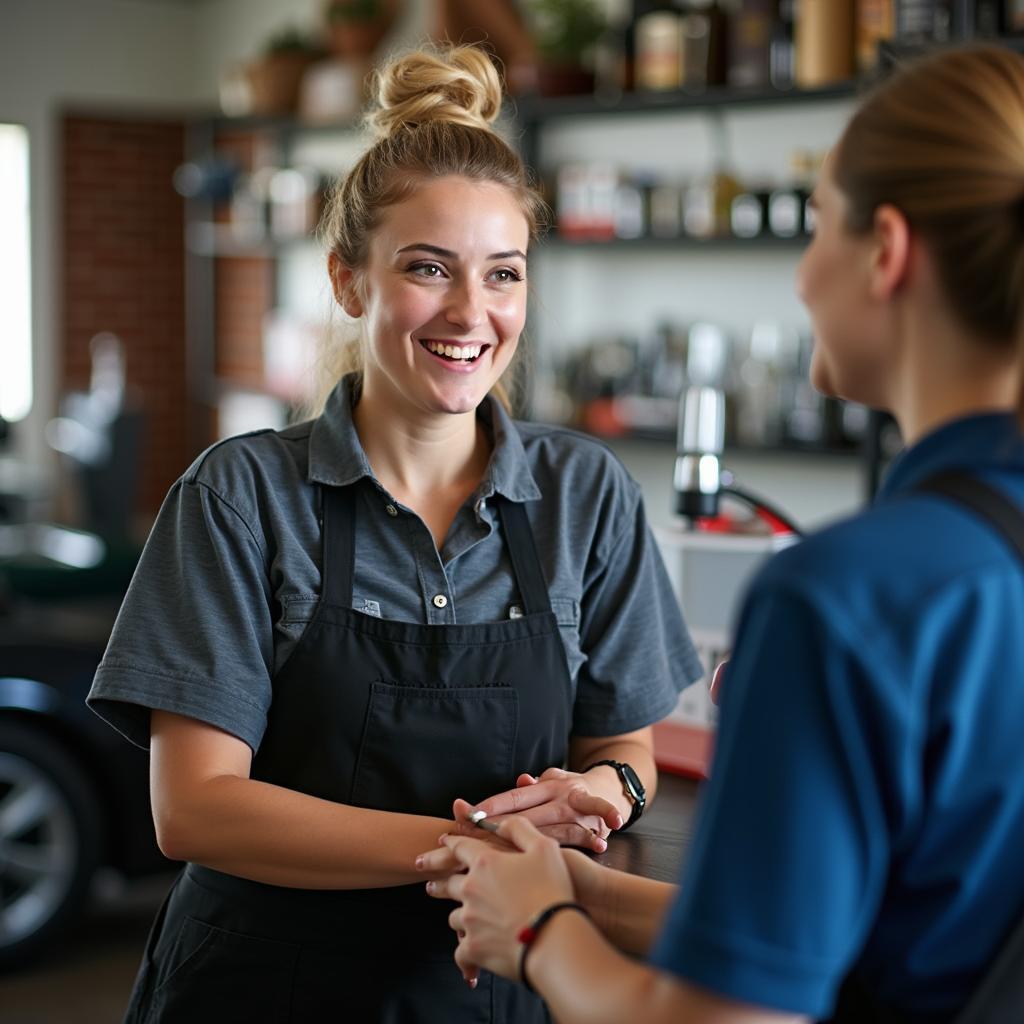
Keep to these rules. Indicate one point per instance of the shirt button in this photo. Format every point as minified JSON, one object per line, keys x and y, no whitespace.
{"x":391,"y":510}
{"x":440,"y":601}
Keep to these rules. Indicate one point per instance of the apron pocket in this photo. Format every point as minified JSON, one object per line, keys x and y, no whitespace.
{"x":423,"y":746}
{"x":220,"y":976}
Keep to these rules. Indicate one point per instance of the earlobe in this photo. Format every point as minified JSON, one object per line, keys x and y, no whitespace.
{"x":891,"y":256}
{"x":343,"y":283}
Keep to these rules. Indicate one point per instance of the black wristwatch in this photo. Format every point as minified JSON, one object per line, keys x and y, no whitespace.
{"x":631,"y":786}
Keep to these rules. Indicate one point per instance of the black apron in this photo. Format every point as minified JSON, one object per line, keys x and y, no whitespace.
{"x":389,"y":715}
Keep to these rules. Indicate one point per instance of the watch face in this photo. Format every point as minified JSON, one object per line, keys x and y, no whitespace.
{"x":632,"y":780}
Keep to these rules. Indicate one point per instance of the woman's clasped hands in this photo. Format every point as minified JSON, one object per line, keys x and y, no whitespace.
{"x":559,"y":804}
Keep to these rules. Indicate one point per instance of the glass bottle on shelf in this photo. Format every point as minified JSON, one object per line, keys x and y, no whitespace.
{"x":761,"y":380}
{"x":876,"y":23}
{"x":702,"y":24}
{"x":707,"y":205}
{"x":1013,"y":16}
{"x":989,"y":18}
{"x":668,"y":361}
{"x":630,"y":214}
{"x":924,"y":21}
{"x":659,"y":50}
{"x":665,"y":210}
{"x":613,"y":57}
{"x":804,"y":423}
{"x":788,"y":210}
{"x":751,"y":23}
{"x":748,"y":216}
{"x":781,"y":50}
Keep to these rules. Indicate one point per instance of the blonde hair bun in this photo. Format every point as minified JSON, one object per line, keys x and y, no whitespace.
{"x":458,"y":84}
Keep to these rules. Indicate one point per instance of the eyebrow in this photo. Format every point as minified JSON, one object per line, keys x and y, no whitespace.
{"x":448,"y":254}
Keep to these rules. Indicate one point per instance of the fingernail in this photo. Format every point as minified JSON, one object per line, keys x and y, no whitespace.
{"x":471,"y":982}
{"x":431,"y":886}
{"x":601,"y":846}
{"x":419,"y":862}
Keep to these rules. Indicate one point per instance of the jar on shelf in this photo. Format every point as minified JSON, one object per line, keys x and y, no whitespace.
{"x":824,"y":42}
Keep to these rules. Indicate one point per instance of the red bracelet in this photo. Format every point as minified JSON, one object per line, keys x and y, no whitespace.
{"x":528,"y":934}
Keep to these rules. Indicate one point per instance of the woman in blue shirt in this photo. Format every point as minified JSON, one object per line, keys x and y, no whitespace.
{"x":863,"y":828}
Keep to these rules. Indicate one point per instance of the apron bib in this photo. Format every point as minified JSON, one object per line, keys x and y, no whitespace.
{"x":394,"y":716}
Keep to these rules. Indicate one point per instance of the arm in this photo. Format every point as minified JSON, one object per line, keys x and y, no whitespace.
{"x":581,"y":977}
{"x":628,"y":909}
{"x":207,"y":810}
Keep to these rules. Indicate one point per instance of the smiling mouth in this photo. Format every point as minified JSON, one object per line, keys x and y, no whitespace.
{"x":454,"y":353}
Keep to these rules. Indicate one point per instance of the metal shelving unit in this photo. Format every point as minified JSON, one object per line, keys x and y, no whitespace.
{"x":529,"y":114}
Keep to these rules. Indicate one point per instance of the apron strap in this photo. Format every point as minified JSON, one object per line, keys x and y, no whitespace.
{"x":522,"y":549}
{"x":985,"y":501}
{"x":339,"y":545}
{"x":339,"y":550}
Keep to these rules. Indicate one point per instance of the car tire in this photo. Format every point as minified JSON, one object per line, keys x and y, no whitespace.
{"x":50,"y":828}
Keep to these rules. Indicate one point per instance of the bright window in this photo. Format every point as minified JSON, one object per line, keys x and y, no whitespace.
{"x":15,"y":277}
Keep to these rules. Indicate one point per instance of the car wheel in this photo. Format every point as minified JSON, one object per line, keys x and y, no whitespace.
{"x":49,"y":840}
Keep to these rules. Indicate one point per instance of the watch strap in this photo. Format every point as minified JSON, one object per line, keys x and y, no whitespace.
{"x":633,"y":790}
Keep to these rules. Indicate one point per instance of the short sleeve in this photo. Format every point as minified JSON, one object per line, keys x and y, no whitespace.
{"x":639,"y":654}
{"x":194,"y":635}
{"x":792,"y":843}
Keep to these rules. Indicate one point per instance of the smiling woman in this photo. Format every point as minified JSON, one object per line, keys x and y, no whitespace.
{"x":433,"y":123}
{"x":338,"y":629}
{"x":442,"y":317}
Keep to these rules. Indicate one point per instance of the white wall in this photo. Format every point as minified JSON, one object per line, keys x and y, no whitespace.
{"x":89,"y":54}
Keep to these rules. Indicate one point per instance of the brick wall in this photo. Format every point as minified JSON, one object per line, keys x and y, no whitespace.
{"x":124,"y":271}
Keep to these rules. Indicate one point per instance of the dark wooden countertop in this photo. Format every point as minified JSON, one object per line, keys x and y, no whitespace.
{"x":656,"y":845}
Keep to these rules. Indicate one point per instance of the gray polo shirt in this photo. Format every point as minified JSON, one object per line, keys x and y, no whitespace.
{"x":230,"y":575}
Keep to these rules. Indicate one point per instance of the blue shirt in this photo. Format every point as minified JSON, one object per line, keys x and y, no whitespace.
{"x":866,"y":804}
{"x":230,"y":575}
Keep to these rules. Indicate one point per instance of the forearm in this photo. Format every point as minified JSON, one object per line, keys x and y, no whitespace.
{"x":275,"y":835}
{"x":585,"y":981}
{"x":635,"y":749}
{"x":629,"y":909}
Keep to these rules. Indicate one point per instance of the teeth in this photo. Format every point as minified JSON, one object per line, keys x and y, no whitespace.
{"x":454,"y":351}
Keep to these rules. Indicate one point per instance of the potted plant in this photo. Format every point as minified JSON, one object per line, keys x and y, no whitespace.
{"x":357,"y":27}
{"x":275,"y":78}
{"x":566,"y":32}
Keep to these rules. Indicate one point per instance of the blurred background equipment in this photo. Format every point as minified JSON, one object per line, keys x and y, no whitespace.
{"x":723,"y":533}
{"x":100,"y":435}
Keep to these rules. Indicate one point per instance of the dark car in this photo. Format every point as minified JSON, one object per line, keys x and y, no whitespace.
{"x":73,"y":793}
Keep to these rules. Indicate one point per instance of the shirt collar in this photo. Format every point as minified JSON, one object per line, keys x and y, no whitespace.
{"x":336,"y":456}
{"x":970,"y":443}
